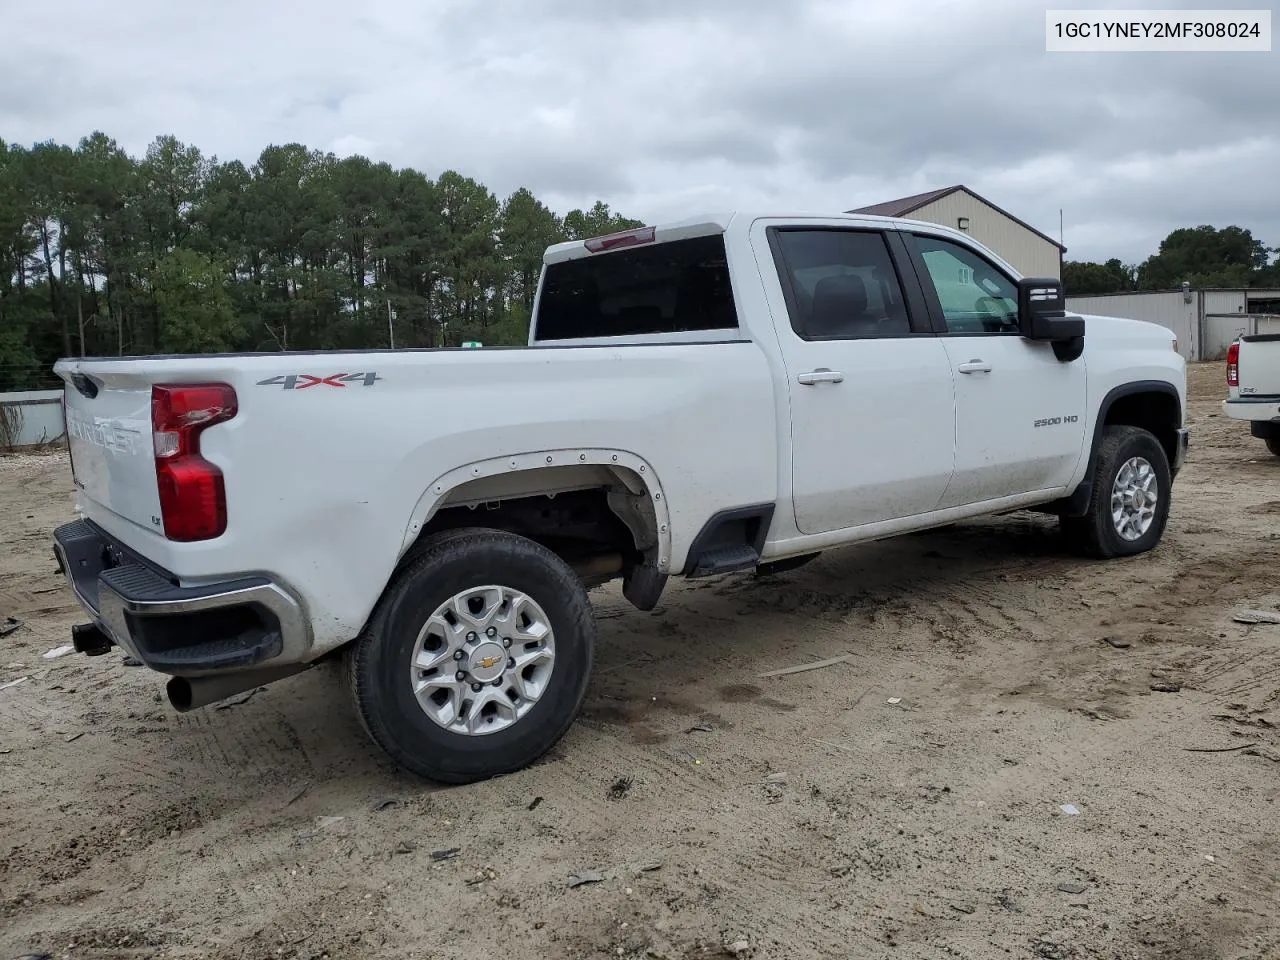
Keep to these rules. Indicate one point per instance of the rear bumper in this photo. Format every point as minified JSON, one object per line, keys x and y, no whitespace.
{"x":1266,"y":409}
{"x":182,"y":630}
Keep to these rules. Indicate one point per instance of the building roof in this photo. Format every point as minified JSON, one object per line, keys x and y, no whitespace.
{"x":904,"y":206}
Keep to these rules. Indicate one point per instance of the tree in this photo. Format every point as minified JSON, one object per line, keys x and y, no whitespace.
{"x":596,"y":222}
{"x":1270,"y":276}
{"x":471,"y":268}
{"x":528,"y":228}
{"x":173,"y":177}
{"x":1081,"y":278}
{"x":106,"y":198}
{"x":46,"y":179}
{"x":1205,"y":257}
{"x":194,"y":311}
{"x":17,"y":252}
{"x":103,"y":253}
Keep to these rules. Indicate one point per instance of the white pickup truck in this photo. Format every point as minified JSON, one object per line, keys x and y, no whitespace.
{"x":723,"y":394}
{"x":1253,"y":386}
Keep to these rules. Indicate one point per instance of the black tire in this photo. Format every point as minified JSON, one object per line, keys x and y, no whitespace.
{"x":1273,"y":444}
{"x":378,"y":663}
{"x":1094,"y":534}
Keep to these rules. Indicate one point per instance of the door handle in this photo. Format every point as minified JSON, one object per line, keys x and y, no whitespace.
{"x":975,"y":366}
{"x":821,"y":375}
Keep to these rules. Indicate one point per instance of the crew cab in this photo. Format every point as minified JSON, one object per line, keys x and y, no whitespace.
{"x":729,"y":393}
{"x":1253,"y":386}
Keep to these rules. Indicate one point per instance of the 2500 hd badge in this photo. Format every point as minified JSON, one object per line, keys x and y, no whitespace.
{"x":1054,"y":421}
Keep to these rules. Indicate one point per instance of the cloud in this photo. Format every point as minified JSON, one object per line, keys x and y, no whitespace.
{"x":664,"y":109}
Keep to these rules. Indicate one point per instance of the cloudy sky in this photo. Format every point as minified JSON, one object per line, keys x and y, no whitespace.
{"x":663,"y":109}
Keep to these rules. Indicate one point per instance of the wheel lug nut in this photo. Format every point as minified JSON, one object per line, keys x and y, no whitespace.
{"x":458,"y":655}
{"x":506,"y":641}
{"x":460,"y":675}
{"x":511,"y":663}
{"x":498,"y":682}
{"x":491,"y":632}
{"x":475,"y":687}
{"x":471,"y":637}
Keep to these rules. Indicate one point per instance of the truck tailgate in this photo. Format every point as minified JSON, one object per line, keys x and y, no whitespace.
{"x":1259,"y":366}
{"x":110,"y":441}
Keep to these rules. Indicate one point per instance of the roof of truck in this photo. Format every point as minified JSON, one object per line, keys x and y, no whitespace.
{"x":712,"y":223}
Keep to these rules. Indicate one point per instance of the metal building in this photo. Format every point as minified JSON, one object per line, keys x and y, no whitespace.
{"x":1204,"y":321}
{"x":1033,"y":253}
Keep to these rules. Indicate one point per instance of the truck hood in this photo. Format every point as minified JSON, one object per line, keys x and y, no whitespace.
{"x":1124,"y":330}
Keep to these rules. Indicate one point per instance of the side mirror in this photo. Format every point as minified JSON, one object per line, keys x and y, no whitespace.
{"x":1042,"y":315}
{"x":1042,"y":311}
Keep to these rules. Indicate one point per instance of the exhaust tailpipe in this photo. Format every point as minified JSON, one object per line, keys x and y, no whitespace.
{"x":191,"y":693}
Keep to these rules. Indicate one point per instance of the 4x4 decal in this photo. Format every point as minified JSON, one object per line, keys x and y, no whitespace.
{"x":300,"y":381}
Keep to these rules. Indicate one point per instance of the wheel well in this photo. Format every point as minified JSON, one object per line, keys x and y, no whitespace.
{"x":1155,"y":411}
{"x":1147,"y":405}
{"x":580,"y":526}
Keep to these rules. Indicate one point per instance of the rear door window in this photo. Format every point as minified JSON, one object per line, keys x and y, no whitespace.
{"x":673,"y":287}
{"x":843,"y":285}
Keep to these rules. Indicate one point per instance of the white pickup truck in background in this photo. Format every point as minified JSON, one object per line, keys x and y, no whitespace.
{"x":724,"y":394}
{"x":1253,"y":386}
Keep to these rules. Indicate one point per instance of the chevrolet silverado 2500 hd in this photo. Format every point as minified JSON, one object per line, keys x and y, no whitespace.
{"x":1253,"y":386}
{"x":723,"y":394}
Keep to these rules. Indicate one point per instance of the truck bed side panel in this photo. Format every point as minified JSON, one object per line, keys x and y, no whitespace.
{"x":322,"y":480}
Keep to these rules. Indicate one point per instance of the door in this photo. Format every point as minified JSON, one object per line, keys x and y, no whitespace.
{"x":870,"y":387}
{"x":1020,"y":411}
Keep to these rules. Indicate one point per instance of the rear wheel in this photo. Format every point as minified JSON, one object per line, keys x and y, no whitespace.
{"x":477,"y":659}
{"x":1129,"y":499}
{"x":1273,"y":444}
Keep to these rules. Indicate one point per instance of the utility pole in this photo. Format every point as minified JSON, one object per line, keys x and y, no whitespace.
{"x":391,"y":331}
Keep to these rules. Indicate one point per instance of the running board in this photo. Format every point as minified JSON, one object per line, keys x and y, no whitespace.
{"x":725,"y":560}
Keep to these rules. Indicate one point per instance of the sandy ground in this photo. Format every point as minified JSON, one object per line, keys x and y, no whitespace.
{"x":906,"y":803}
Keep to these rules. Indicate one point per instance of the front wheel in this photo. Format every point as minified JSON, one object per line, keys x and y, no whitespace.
{"x":477,"y":658}
{"x":1129,"y":499}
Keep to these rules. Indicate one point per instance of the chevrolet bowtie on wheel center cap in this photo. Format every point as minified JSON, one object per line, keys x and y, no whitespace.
{"x":482,"y":660}
{"x":1133,"y":498}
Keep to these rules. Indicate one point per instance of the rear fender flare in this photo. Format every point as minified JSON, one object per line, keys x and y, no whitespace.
{"x":632,"y":471}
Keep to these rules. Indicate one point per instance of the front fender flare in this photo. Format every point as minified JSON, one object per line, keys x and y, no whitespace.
{"x":1077,"y":502}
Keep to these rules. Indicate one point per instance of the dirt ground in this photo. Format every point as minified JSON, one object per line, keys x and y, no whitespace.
{"x":908,"y":802}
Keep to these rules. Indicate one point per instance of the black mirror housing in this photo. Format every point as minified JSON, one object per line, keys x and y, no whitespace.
{"x":1042,"y":311}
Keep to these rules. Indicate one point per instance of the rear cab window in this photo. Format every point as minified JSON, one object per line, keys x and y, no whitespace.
{"x":676,"y":286}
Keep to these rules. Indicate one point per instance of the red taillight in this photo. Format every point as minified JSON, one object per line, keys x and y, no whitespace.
{"x":1233,"y":365}
{"x":628,"y":238}
{"x":193,"y":503}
